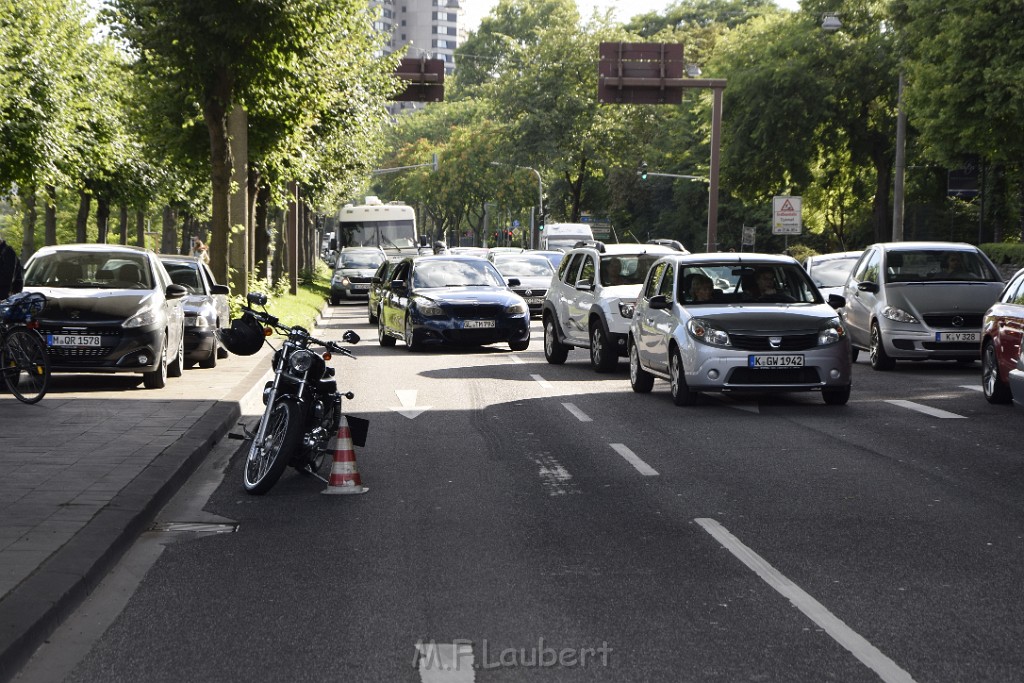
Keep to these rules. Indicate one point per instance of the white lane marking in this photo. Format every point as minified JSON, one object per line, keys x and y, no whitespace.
{"x":407,"y":397}
{"x":543,"y":382}
{"x":577,"y":413}
{"x":555,"y":479}
{"x":631,"y":457}
{"x":972,"y":387}
{"x":867,"y":653}
{"x":516,"y":359}
{"x":445,"y":662}
{"x":921,"y":408}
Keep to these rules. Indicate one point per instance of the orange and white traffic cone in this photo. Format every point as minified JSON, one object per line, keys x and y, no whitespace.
{"x":344,"y":472}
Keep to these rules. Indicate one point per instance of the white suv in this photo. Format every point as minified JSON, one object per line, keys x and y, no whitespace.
{"x":591,"y":298}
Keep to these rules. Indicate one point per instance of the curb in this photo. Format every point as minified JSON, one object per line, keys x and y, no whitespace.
{"x":36,"y":607}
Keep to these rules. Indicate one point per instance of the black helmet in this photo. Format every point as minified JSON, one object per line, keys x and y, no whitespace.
{"x":440,"y":247}
{"x":245,"y":336}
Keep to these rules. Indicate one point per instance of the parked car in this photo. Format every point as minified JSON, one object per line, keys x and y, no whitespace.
{"x":533,"y":271}
{"x":206,"y":309}
{"x":380,"y":277}
{"x":772,"y":331}
{"x":830,"y":271}
{"x":352,"y":272}
{"x":110,"y":308}
{"x":451,"y":299}
{"x":591,"y":298}
{"x":919,"y":301}
{"x":1002,"y":374}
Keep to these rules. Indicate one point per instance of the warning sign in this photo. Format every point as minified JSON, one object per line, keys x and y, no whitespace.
{"x":786,"y":216}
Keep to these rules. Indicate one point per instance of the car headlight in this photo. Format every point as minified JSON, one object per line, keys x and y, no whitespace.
{"x":519,"y":308}
{"x":704,"y":332}
{"x":301,"y":360}
{"x":898,"y":314}
{"x":141,"y":319}
{"x":428,"y":308}
{"x":831,"y":332}
{"x":626,"y":308}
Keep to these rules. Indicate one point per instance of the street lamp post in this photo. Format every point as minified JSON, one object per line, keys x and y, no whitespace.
{"x":540,"y":199}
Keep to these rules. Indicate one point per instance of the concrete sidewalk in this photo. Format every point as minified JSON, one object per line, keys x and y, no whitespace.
{"x":83,"y":473}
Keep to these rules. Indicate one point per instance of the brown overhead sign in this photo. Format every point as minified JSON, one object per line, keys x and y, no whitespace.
{"x":640,"y":73}
{"x":425,"y":78}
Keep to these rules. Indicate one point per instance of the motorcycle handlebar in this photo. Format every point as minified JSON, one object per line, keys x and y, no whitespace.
{"x":266,"y":319}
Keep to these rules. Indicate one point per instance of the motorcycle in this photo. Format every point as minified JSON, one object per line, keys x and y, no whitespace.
{"x":303,"y":404}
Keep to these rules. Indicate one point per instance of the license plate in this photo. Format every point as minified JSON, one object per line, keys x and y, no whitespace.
{"x":957,"y":336}
{"x":775,"y":361}
{"x":73,"y":340}
{"x":360,"y":285}
{"x":535,"y":300}
{"x":477,"y":324}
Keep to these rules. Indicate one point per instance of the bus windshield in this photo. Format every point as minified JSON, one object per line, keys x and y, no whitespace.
{"x":400,"y":234}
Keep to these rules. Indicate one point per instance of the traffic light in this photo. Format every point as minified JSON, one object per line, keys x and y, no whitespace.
{"x":540,"y":221}
{"x":643,"y":170}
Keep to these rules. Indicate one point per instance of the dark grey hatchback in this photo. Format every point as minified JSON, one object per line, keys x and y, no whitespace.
{"x":110,"y":308}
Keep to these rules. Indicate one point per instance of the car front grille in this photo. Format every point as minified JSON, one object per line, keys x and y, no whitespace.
{"x":759,"y":342}
{"x":356,"y":278}
{"x":475,"y":312}
{"x":71,"y":355}
{"x":971,"y":321}
{"x":952,"y":346}
{"x":773,"y":377}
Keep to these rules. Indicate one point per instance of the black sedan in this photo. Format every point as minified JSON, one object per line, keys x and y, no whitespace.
{"x":206,"y":309}
{"x":110,"y":308}
{"x":449,"y":298}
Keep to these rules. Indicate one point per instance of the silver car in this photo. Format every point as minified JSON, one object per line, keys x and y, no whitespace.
{"x":919,"y":301}
{"x":760,"y":325}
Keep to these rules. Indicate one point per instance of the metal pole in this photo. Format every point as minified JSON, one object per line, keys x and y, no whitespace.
{"x":540,"y":207}
{"x":901,"y":165}
{"x":716,"y":141}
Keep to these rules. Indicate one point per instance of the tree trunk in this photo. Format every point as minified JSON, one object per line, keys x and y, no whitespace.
{"x":28,"y":223}
{"x":280,"y":248}
{"x":81,"y":224}
{"x":102,"y":219}
{"x":140,"y":228}
{"x":50,"y":217}
{"x":122,"y":224}
{"x":881,"y":212}
{"x":215,"y":109}
{"x":262,"y":233}
{"x":169,"y":231}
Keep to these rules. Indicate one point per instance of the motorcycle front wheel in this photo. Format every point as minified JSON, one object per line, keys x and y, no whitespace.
{"x":267,"y":460}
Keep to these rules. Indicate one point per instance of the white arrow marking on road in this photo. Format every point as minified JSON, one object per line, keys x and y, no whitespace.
{"x":409,"y":408}
{"x":972,"y":387}
{"x":927,"y":410}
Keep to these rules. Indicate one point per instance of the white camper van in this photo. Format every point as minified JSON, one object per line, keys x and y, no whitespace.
{"x":564,"y":235}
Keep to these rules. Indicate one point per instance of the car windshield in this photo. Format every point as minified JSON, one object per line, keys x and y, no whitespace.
{"x":89,"y":270}
{"x":626,"y":269}
{"x":533,"y":266}
{"x":749,"y":282}
{"x":365,"y":261}
{"x":455,"y":273}
{"x":937,"y":264}
{"x":833,"y":272}
{"x":186,"y":275}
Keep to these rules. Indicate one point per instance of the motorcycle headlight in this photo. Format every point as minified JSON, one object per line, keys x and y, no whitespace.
{"x":706,"y":333}
{"x":519,"y":308}
{"x":428,"y":308}
{"x":300,"y":361}
{"x":143,"y":318}
{"x":831,"y":332}
{"x":626,"y":308}
{"x":898,"y":315}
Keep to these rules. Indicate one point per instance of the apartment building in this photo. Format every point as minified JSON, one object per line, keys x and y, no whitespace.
{"x":429,"y":27}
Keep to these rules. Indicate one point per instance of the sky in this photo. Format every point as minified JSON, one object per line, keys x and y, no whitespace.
{"x":475,"y":10}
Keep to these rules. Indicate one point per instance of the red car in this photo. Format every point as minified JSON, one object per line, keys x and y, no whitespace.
{"x":1002,"y":374}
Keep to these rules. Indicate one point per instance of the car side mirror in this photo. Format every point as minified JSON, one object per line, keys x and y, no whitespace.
{"x":514,"y":282}
{"x":585,"y":285}
{"x":836,"y":301}
{"x":175,"y":291}
{"x":376,"y":280}
{"x":399,"y":286}
{"x":219,"y":289}
{"x":659,"y":302}
{"x":868,"y":287}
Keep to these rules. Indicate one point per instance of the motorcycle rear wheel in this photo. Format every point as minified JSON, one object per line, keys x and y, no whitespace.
{"x":263,"y":467}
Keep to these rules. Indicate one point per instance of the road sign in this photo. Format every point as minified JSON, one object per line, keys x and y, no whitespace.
{"x":786,"y":215}
{"x":425,"y":79}
{"x":749,"y":235}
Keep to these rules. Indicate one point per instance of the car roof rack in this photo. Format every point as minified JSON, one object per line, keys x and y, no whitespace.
{"x":596,"y":244}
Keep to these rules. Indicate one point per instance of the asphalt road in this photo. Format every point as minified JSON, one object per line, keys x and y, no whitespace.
{"x":535,"y":522}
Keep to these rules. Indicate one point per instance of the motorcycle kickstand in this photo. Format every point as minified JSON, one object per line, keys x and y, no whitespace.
{"x":308,"y":469}
{"x":242,"y":437}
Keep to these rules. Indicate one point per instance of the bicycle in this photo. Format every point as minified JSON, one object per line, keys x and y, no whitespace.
{"x":24,"y":360}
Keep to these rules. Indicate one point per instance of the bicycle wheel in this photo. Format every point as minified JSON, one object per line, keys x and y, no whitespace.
{"x":26,"y":366}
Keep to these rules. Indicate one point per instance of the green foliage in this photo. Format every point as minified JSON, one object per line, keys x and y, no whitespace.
{"x":1004,"y":253}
